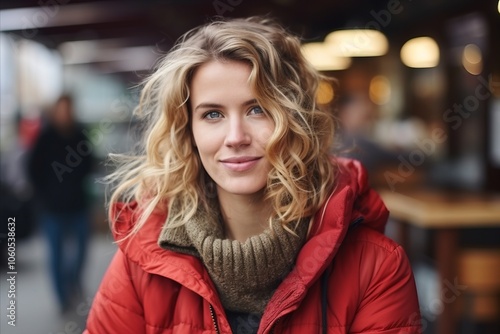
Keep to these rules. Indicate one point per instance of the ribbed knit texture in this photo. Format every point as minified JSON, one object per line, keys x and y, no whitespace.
{"x":245,"y":274}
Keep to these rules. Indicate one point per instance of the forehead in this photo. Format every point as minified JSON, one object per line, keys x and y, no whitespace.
{"x":220,"y":74}
{"x":215,"y":68}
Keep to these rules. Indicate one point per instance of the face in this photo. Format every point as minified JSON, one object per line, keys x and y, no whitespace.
{"x":62,"y":114}
{"x":229,"y":128}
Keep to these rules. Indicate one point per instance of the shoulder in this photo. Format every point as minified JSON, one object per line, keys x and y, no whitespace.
{"x":369,"y":257}
{"x":367,"y":237}
{"x":126,"y":215}
{"x":370,"y":248}
{"x":372,"y":275}
{"x":137,"y":243}
{"x":81,"y":131}
{"x":45,"y":134}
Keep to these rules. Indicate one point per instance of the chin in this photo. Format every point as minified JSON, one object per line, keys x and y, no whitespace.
{"x":243,"y":189}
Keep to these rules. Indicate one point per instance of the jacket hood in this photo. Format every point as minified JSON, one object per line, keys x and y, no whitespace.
{"x":352,"y":202}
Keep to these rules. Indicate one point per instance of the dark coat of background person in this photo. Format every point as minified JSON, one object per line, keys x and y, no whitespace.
{"x":58,"y":169}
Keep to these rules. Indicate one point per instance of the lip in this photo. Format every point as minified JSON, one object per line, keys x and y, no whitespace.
{"x":240,"y":164}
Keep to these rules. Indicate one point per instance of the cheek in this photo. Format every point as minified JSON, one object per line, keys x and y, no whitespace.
{"x":205,"y":143}
{"x":196,"y":134}
{"x":265,"y":133}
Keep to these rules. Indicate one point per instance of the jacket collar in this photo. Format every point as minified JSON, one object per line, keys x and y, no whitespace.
{"x":351,"y":200}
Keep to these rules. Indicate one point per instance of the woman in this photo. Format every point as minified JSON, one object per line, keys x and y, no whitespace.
{"x":235,"y":218}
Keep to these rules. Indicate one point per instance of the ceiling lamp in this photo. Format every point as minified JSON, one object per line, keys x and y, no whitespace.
{"x":322,"y":59}
{"x":472,"y":59}
{"x":325,"y":93}
{"x":420,"y":52}
{"x":357,"y":43}
{"x":380,"y":90}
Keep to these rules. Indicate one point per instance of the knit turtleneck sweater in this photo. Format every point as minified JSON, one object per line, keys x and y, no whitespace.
{"x":245,"y":274}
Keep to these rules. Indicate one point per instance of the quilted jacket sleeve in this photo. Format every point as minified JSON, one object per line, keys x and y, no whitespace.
{"x":116,"y":307}
{"x":390,"y":304}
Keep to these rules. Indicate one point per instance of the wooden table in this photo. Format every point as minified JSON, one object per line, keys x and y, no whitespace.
{"x":445,"y":213}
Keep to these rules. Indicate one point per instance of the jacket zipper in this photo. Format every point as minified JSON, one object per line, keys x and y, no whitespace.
{"x":214,"y":319}
{"x":356,"y":222}
{"x":352,"y":225}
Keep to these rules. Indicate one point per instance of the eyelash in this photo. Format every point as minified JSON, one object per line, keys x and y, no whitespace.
{"x":257,"y":107}
{"x":205,"y":115}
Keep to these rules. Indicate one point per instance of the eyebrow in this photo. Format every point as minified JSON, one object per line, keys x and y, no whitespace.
{"x":209,"y":105}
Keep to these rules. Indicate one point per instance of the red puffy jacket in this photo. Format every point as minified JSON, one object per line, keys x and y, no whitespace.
{"x":370,"y":284}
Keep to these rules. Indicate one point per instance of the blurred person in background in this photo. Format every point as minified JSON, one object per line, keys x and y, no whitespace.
{"x":58,"y":167}
{"x":235,"y":218}
{"x":356,"y":118}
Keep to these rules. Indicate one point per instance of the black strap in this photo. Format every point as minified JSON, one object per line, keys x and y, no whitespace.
{"x":324,"y":301}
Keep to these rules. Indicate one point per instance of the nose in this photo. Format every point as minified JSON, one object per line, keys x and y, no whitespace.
{"x":237,"y":133}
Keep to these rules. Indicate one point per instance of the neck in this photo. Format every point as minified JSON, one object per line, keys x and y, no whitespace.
{"x":244,"y":215}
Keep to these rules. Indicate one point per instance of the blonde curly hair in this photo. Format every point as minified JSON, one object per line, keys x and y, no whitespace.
{"x":168,"y":168}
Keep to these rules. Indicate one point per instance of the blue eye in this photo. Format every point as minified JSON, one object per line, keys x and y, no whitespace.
{"x":256,"y":110}
{"x":212,"y":115}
